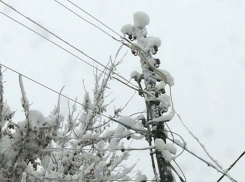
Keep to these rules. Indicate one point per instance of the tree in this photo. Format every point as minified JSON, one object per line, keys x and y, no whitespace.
{"x":82,"y":147}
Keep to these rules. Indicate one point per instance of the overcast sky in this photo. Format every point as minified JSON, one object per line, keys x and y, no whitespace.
{"x":202,"y":47}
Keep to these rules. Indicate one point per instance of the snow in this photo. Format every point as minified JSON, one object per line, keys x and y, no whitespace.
{"x":170,"y":79}
{"x":140,"y":177}
{"x":167,"y":149}
{"x":135,"y":75}
{"x":171,"y":148}
{"x":165,"y":117}
{"x":153,"y":41}
{"x":86,"y":102}
{"x":36,"y":119}
{"x":127,"y":29}
{"x":114,"y":144}
{"x":160,"y":86}
{"x":5,"y":110}
{"x":121,"y":131}
{"x":99,"y":168}
{"x":183,"y":145}
{"x":165,"y":100}
{"x":160,"y":144}
{"x":139,"y":126}
{"x":141,"y":19}
{"x":167,"y":156}
{"x":127,"y":121}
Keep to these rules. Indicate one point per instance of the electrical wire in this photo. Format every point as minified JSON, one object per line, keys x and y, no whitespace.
{"x":139,"y":130}
{"x":79,"y":7}
{"x":58,"y":37}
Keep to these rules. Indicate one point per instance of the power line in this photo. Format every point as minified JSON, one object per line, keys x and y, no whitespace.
{"x":62,"y":39}
{"x":49,"y":40}
{"x":139,"y":130}
{"x":69,"y":51}
{"x":80,"y":51}
{"x":132,"y":45}
{"x":93,"y":17}
{"x":86,"y":19}
{"x":231,"y":166}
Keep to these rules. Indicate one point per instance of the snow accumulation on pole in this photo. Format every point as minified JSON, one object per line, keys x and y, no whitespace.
{"x":158,"y":101}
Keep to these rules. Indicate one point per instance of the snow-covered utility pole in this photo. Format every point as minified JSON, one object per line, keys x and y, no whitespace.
{"x":157,"y":102}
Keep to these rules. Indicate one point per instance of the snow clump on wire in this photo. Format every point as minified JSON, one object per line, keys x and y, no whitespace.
{"x":153,"y":41}
{"x":167,"y":149}
{"x":127,"y":29}
{"x":169,"y":77}
{"x":141,"y":19}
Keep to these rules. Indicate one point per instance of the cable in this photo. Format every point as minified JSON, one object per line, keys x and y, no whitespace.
{"x":49,"y":40}
{"x":139,"y":130}
{"x":80,"y":51}
{"x":66,"y":50}
{"x":86,"y":20}
{"x":93,"y":17}
{"x":231,"y":166}
{"x":201,"y":159}
{"x":180,"y":171}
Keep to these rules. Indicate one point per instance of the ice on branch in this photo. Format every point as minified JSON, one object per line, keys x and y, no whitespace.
{"x":141,"y":19}
{"x":36,"y":119}
{"x":127,"y":121}
{"x":86,"y":102}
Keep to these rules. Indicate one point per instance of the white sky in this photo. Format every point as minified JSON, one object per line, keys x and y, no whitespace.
{"x":202,"y":47}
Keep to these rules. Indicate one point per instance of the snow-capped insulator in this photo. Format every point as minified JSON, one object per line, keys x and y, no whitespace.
{"x":141,"y":19}
{"x":134,"y":52}
{"x":131,"y":37}
{"x":155,"y":48}
{"x":158,"y":61}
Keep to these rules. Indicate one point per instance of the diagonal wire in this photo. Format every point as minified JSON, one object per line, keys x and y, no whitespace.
{"x":231,"y":166}
{"x":93,"y":17}
{"x":48,"y":40}
{"x":87,"y":20}
{"x":80,"y":51}
{"x":139,"y":130}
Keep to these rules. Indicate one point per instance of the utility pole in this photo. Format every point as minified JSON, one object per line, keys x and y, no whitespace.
{"x":145,"y":47}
